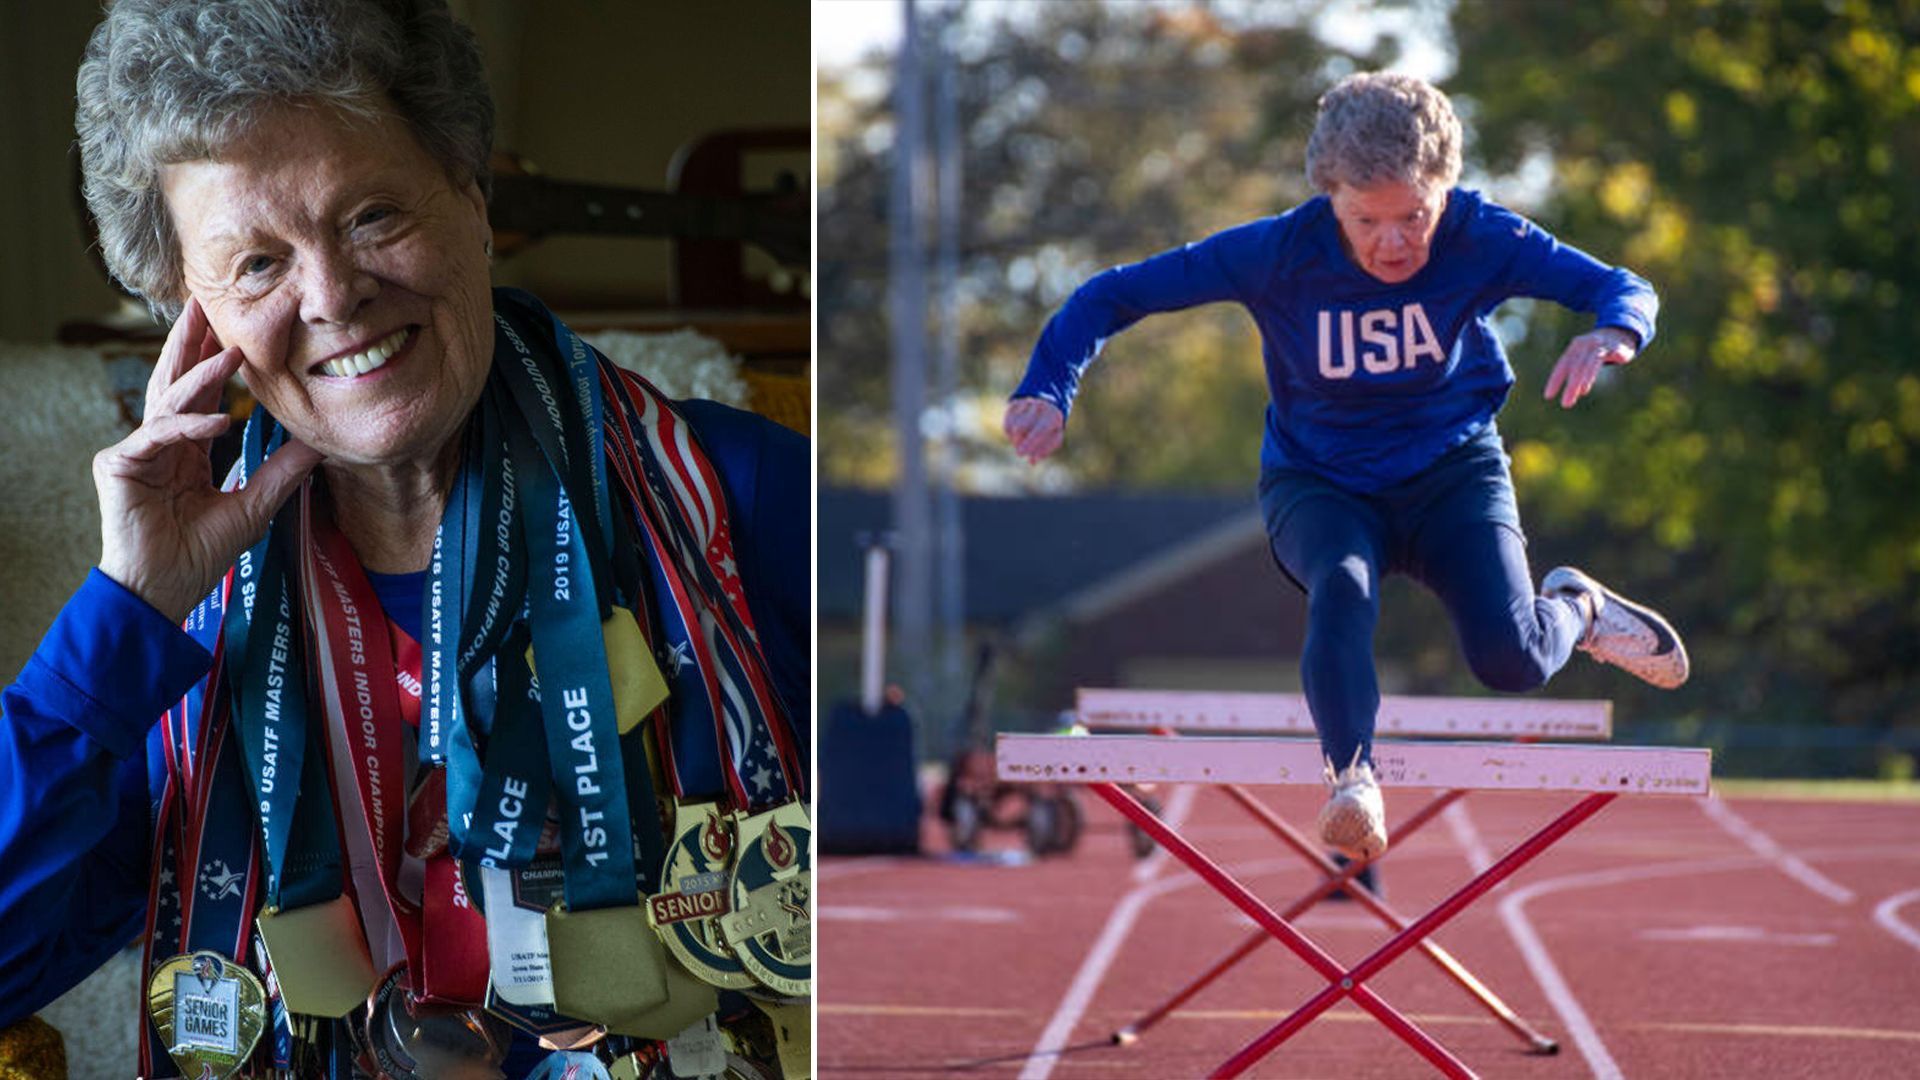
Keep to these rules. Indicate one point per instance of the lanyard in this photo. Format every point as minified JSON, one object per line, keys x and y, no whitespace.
{"x":716,"y":671}
{"x":267,"y":676}
{"x":442,"y":934}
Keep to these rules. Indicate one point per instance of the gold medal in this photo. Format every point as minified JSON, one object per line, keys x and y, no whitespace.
{"x":608,"y":965}
{"x":793,"y":1034}
{"x":694,"y":891}
{"x":771,"y":925}
{"x":209,"y":1011}
{"x":319,"y":956}
{"x":638,"y":685}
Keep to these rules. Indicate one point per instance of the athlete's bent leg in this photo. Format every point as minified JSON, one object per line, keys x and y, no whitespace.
{"x":1513,"y":639}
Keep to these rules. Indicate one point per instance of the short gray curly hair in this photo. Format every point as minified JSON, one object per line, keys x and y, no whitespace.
{"x":1376,"y":127}
{"x":166,"y":81}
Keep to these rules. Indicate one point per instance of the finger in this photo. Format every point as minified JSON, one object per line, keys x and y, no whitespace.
{"x":1592,"y":373}
{"x":155,"y":436}
{"x":1570,"y":393}
{"x":1555,"y":378}
{"x":176,"y":356}
{"x":1027,"y":421}
{"x":1017,"y":422}
{"x":1579,"y":381}
{"x":198,"y":391}
{"x":277,"y":478}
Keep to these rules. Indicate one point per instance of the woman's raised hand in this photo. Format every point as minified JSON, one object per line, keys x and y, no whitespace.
{"x":167,"y":532}
{"x":1579,"y":366}
{"x":1035,"y":427}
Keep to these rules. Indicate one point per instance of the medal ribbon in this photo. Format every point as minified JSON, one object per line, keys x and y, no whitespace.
{"x":717,"y":672}
{"x":268,"y":694}
{"x":362,"y":698}
{"x":575,"y":691}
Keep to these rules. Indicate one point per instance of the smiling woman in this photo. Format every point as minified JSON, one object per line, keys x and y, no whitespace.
{"x":351,"y":273}
{"x":442,"y":488}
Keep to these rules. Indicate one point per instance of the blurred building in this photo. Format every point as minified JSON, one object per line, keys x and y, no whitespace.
{"x":1101,"y":589}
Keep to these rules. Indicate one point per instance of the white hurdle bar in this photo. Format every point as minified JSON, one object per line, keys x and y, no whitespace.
{"x":1280,"y":714}
{"x":1147,"y":759}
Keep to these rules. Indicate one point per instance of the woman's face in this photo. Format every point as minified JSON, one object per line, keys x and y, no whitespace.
{"x":351,"y":271}
{"x":1387,"y":226}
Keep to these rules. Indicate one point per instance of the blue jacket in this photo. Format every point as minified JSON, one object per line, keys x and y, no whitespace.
{"x":80,"y":764}
{"x":1370,"y":382}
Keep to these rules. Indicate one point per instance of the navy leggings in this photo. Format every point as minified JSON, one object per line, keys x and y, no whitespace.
{"x":1454,"y":528}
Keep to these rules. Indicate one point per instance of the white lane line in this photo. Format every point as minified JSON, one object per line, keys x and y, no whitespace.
{"x":1045,"y":1053}
{"x":1513,"y":914}
{"x":870,"y":913}
{"x":1884,"y":914}
{"x":1767,"y":848}
{"x":839,"y":869}
{"x":1746,"y":935}
{"x":1466,"y":837}
{"x":1178,"y":806}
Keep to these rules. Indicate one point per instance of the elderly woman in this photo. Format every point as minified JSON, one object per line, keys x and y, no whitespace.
{"x":483,"y":643}
{"x":1381,"y":454}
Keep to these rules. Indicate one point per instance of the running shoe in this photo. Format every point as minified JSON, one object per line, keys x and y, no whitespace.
{"x":1630,"y":636}
{"x":1354,"y":821}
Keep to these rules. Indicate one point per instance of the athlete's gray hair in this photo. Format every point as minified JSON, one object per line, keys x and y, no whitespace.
{"x":166,"y":81}
{"x":1376,"y":127}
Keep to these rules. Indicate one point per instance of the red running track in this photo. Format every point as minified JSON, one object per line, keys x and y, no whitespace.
{"x":1666,"y":937}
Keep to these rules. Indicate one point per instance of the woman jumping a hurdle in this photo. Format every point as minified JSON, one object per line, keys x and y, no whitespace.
{"x":1381,"y":455}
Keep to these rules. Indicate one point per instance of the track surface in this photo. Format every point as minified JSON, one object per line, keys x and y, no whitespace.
{"x":1666,"y":937}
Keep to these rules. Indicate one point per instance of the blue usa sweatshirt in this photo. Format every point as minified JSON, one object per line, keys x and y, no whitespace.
{"x":1370,"y":382}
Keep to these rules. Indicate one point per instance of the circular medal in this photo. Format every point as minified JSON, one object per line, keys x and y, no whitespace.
{"x":209,"y":1011}
{"x":693,"y":894}
{"x":771,"y":924}
{"x":399,"y":1039}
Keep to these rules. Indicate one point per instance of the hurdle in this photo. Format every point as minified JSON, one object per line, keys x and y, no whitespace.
{"x":1599,"y":773}
{"x":1171,"y":712}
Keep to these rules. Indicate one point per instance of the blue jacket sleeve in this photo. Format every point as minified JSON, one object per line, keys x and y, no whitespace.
{"x":767,"y":471}
{"x":1543,"y":267}
{"x":77,"y":750}
{"x":1230,"y":265}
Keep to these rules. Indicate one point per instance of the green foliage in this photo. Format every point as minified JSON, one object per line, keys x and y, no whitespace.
{"x":1755,"y":161}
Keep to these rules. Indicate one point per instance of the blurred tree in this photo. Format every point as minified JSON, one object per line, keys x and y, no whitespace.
{"x":1093,"y":135}
{"x":1755,"y":160}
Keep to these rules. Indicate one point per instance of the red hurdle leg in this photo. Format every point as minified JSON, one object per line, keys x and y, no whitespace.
{"x":1351,"y":982}
{"x":1336,"y":879}
{"x":1366,"y":898}
{"x":1314,"y":956}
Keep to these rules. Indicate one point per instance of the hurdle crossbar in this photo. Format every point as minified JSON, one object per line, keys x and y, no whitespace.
{"x":1284,"y":714}
{"x":1147,"y":759}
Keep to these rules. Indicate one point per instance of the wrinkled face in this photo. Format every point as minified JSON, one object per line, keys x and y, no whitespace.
{"x":351,"y":271}
{"x":1387,"y":226}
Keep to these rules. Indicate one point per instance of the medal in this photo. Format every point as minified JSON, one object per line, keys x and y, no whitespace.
{"x":399,"y":1039}
{"x":608,"y":965}
{"x":792,"y":1033}
{"x":771,"y":925}
{"x":319,"y":956}
{"x":693,"y":882}
{"x":209,"y":1012}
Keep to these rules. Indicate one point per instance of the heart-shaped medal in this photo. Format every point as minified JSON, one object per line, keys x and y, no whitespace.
{"x":209,"y":1011}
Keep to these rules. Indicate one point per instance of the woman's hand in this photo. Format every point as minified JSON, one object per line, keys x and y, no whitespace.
{"x":1574,"y":374}
{"x":167,"y":532}
{"x":1034,"y":427}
